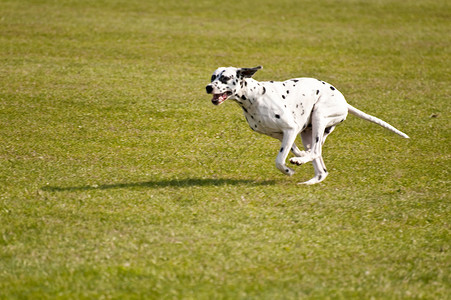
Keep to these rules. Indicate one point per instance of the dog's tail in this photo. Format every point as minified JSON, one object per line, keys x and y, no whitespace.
{"x":379,"y":122}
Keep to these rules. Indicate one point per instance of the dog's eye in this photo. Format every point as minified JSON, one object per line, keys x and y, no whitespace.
{"x":224,"y":79}
{"x":213,"y":77}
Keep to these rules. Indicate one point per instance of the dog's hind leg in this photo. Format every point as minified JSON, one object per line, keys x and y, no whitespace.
{"x":288,"y":139}
{"x":318,"y":163}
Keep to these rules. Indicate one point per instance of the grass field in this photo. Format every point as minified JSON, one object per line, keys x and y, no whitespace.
{"x":120,"y":180}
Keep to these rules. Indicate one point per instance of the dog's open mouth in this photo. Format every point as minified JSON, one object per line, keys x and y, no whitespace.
{"x":219,"y":98}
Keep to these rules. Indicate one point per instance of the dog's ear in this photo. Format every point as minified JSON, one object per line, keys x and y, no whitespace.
{"x":247,"y":72}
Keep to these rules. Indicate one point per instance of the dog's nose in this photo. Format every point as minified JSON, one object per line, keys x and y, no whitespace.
{"x":209,"y":89}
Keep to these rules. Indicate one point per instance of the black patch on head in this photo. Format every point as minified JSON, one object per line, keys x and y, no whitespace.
{"x":317,"y":92}
{"x":264,"y":90}
{"x":213,"y":77}
{"x":332,"y":88}
{"x":277,"y":116}
{"x":224,"y":79}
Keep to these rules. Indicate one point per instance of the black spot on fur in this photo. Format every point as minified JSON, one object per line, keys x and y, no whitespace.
{"x":224,"y":79}
{"x":277,"y":116}
{"x":264,"y":90}
{"x":317,"y":92}
{"x":332,"y":88}
{"x":245,"y":83}
{"x":283,"y":96}
{"x":317,"y":139}
{"x":255,"y":125}
{"x":272,"y":81}
{"x":295,"y":80}
{"x":287,"y":170}
{"x":243,"y":97}
{"x":281,"y":149}
{"x":323,"y":82}
{"x":325,"y":171}
{"x":328,"y":129}
{"x":213,"y":77}
{"x":245,"y":110}
{"x":319,"y":177}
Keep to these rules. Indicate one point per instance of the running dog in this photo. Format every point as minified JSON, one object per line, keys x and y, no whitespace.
{"x":282,"y":110}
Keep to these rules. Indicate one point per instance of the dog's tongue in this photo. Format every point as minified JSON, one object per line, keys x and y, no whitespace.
{"x":219,"y":98}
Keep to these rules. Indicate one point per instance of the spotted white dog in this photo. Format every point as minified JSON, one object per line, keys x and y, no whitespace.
{"x":282,"y":110}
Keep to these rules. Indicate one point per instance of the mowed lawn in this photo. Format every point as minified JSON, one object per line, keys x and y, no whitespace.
{"x":120,"y":180}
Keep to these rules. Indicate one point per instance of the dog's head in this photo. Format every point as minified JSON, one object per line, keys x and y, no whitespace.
{"x":226,"y":82}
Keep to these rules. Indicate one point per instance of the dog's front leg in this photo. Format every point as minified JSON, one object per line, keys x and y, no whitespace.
{"x":289,"y":136}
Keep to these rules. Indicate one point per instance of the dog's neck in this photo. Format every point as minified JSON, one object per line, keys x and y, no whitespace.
{"x":249,"y":91}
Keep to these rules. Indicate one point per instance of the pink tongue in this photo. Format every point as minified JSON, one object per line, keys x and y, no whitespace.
{"x":220,"y":97}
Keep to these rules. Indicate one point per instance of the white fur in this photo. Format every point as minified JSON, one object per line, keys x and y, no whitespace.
{"x":305,"y":106}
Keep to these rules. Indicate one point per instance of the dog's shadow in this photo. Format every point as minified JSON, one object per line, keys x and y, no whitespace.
{"x":156,"y":184}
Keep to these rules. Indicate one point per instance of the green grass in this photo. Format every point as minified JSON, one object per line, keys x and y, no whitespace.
{"x":120,"y":180}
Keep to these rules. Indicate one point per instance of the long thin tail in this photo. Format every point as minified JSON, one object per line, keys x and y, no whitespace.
{"x":379,"y":122}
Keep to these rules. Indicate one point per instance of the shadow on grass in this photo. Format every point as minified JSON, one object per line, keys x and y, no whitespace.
{"x":153,"y":184}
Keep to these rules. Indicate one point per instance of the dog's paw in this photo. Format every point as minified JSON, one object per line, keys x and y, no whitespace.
{"x":314,"y":180}
{"x":288,"y":171}
{"x":299,"y":160}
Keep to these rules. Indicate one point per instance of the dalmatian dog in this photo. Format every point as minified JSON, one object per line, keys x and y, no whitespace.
{"x":282,"y":110}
